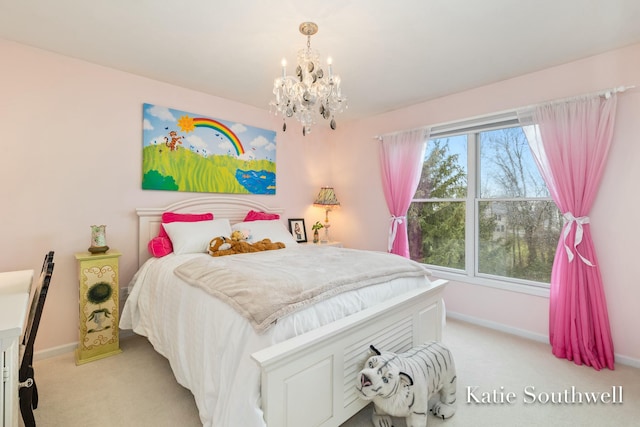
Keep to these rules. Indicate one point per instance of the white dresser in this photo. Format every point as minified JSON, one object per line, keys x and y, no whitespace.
{"x":15,"y":288}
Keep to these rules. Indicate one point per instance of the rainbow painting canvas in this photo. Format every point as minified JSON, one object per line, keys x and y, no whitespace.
{"x":183,"y":151}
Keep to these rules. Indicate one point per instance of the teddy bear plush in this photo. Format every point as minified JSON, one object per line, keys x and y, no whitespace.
{"x":267,"y":245}
{"x":238,"y":236}
{"x":219,"y":246}
{"x":236,"y":244}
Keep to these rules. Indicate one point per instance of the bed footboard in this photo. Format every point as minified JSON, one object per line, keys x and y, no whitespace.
{"x":309,"y":380}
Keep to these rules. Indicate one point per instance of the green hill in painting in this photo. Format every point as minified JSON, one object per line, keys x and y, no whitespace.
{"x":183,"y":170}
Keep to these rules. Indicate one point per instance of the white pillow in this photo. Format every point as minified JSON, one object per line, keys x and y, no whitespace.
{"x":194,"y":237}
{"x":266,"y":229}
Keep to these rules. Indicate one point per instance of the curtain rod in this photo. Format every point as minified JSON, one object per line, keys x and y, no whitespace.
{"x":379,"y":137}
{"x":604,"y":92}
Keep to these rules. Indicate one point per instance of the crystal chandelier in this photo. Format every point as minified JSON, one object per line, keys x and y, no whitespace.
{"x":311,"y":93}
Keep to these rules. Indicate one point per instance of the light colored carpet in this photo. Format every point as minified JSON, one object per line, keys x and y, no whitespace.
{"x":137,"y":388}
{"x":133,"y":388}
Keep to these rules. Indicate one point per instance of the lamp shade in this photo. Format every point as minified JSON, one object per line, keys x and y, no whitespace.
{"x":326,"y":198}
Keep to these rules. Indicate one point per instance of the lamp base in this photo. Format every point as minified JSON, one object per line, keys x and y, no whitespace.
{"x":325,"y":237}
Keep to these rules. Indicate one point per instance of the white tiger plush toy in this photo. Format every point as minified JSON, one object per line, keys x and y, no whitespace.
{"x":401,"y":385}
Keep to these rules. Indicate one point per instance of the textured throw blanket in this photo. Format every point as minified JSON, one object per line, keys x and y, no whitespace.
{"x":265,"y":286}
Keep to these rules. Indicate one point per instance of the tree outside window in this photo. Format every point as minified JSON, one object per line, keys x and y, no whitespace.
{"x":490,"y":176}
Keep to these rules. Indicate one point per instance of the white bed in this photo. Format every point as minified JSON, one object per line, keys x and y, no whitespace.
{"x":301,"y":371}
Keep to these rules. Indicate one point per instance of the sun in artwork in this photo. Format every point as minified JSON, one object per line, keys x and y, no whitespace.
{"x":186,"y":124}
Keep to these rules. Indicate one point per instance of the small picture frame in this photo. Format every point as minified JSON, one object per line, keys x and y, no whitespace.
{"x":297,"y":229}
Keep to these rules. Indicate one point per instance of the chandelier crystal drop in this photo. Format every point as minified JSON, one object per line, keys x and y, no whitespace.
{"x":311,"y":93}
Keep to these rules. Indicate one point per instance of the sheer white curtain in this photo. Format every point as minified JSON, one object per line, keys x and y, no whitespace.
{"x":401,"y":157}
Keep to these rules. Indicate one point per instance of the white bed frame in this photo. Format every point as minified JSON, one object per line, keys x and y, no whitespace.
{"x":309,"y":380}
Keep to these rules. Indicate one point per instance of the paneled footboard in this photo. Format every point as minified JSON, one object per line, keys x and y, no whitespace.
{"x":309,"y":380}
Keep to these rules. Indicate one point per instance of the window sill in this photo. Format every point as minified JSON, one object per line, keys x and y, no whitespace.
{"x":491,"y":283}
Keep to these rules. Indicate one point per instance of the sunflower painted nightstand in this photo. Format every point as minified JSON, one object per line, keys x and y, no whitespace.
{"x":99,"y":309}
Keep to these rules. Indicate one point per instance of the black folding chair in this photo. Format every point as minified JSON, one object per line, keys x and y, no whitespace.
{"x":28,"y":392}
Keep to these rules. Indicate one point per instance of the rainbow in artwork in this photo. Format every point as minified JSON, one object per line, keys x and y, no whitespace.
{"x":203,"y":122}
{"x":188,"y":124}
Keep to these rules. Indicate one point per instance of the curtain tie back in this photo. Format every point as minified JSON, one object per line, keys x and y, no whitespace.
{"x":395,"y":221}
{"x":569,"y":221}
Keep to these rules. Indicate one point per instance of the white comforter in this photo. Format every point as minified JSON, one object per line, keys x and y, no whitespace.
{"x":208,"y":344}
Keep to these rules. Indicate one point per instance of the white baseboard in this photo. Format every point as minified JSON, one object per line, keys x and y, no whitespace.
{"x":623,"y":360}
{"x":69,"y":348}
{"x":499,"y":327}
{"x":55,"y":351}
{"x":629,"y":361}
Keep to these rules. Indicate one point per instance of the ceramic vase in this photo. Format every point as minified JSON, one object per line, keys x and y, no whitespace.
{"x":98,"y":239}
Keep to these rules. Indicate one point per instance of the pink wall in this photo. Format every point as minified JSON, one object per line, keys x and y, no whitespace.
{"x":364,"y":217}
{"x":70,"y":157}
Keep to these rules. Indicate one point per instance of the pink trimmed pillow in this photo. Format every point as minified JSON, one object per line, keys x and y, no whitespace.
{"x":161,"y":245}
{"x":258,"y":216}
{"x":168,"y":217}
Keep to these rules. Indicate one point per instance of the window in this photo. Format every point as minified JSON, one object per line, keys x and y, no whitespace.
{"x":481,"y":207}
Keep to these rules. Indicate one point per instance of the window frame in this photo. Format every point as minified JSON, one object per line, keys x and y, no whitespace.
{"x":472,"y":129}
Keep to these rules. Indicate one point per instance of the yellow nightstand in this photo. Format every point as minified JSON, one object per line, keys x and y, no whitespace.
{"x":99,"y":306}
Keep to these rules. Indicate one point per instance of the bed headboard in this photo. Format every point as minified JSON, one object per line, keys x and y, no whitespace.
{"x":233,"y":208}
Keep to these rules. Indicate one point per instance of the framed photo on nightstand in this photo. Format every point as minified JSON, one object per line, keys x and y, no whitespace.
{"x":297,"y":229}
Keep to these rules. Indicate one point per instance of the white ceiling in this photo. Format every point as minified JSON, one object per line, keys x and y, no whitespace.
{"x":389,"y":54}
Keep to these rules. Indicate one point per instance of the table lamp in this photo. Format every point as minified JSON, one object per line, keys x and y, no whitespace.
{"x":326,"y":199}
